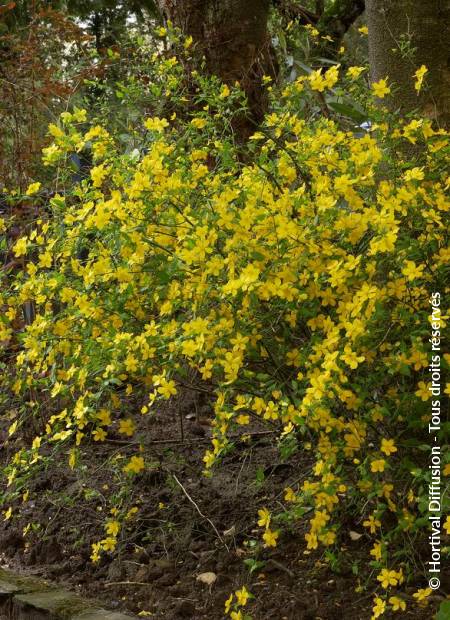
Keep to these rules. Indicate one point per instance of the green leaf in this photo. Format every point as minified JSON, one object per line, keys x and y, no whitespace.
{"x":303,"y":66}
{"x":444,"y":611}
{"x":347,"y":110}
{"x":253,"y":565}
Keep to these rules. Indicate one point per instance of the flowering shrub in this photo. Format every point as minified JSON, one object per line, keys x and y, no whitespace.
{"x":295,"y":280}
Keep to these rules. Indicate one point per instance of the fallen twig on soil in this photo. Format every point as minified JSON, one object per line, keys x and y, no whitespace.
{"x":126,"y":583}
{"x":186,"y":441}
{"x":200,"y":512}
{"x":282,"y":567}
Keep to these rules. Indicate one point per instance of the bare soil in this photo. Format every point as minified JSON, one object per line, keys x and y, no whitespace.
{"x":187,"y":524}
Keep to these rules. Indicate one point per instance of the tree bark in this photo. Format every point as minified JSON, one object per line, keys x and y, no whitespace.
{"x":425,"y":23}
{"x":233,"y":36}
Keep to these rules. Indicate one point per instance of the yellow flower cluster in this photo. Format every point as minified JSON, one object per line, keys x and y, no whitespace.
{"x":299,"y":282}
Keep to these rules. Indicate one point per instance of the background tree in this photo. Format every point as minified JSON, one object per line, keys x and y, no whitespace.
{"x":403,"y":35}
{"x":331,"y":19}
{"x":233,"y":36}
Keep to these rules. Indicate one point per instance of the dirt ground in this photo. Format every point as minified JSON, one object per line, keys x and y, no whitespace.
{"x":187,"y":525}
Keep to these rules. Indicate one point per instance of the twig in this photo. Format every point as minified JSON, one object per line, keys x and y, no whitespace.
{"x":200,"y":512}
{"x":186,"y":441}
{"x":239,"y":475}
{"x":125,"y":583}
{"x":281,"y":567}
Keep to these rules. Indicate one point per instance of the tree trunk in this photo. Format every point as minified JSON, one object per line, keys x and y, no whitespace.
{"x":233,"y":36}
{"x":335,"y":22}
{"x":425,"y":24}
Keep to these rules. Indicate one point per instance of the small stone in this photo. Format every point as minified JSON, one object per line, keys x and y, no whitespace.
{"x":51,"y":600}
{"x":209,"y":578}
{"x":100,"y":614}
{"x":8,"y":588}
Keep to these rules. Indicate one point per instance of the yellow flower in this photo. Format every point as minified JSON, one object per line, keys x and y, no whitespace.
{"x":224,"y":91}
{"x":379,"y":607}
{"x":20,"y":247}
{"x":228,"y":603}
{"x":45,"y":260}
{"x":112,"y":528}
{"x":198,"y":123}
{"x":378,"y":465}
{"x":317,"y":80}
{"x":51,"y":154}
{"x":243,"y":419}
{"x":130,"y":514}
{"x":363,"y":30}
{"x":242,"y":596}
{"x":79,"y":115}
{"x":421,"y":595}
{"x":319,"y":520}
{"x":399,"y":575}
{"x":447,"y":525}
{"x":387,"y":578}
{"x":331,"y":76}
{"x":311,"y":539}
{"x":328,"y":537}
{"x":351,"y":358}
{"x":33,"y":188}
{"x":55,"y":131}
{"x":264,"y":517}
{"x":167,"y":388}
{"x":423,"y":392}
{"x":135,"y":465}
{"x":372,"y":523}
{"x":156,"y":124}
{"x":354,"y":72}
{"x":381,"y":88}
{"x":397,"y":603}
{"x":419,"y":75}
{"x":412,"y":271}
{"x":270,"y":538}
{"x":289,"y":495}
{"x":109,"y":543}
{"x":99,"y":434}
{"x":95,"y":555}
{"x":376,"y":551}
{"x":104,"y":417}
{"x":127,"y":427}
{"x":415,"y":174}
{"x":313,"y":32}
{"x":388,"y":446}
{"x":98,"y":174}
